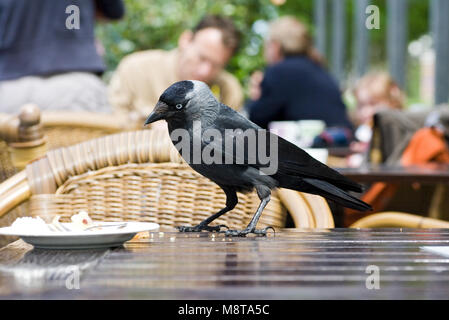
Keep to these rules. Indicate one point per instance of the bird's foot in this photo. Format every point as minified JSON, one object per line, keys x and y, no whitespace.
{"x":201,"y":227}
{"x":243,"y":233}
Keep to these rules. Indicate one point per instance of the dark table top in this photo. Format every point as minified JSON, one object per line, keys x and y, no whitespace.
{"x":375,"y":173}
{"x":293,"y":264}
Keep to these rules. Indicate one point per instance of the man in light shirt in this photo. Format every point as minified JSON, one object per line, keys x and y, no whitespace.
{"x":202,"y":54}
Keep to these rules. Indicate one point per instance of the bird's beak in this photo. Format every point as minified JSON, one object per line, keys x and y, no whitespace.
{"x":158,"y":113}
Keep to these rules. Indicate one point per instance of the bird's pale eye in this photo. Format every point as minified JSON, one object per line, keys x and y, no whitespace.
{"x":179,"y":106}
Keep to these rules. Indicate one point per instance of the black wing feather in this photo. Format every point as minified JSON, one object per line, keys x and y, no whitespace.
{"x":292,"y":160}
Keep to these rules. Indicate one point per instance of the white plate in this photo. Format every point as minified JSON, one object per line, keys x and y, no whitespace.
{"x":105,"y":238}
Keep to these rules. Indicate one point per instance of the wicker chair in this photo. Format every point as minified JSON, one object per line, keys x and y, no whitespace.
{"x":139,"y":175}
{"x":398,"y":220}
{"x":60,"y":129}
{"x":30,"y":134}
{"x":392,"y":132}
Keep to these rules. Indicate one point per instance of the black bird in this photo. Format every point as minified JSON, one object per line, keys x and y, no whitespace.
{"x":194,"y":114}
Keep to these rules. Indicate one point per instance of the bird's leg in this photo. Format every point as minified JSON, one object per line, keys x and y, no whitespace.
{"x":264,"y":194}
{"x":204,"y":225}
{"x":251,"y":228}
{"x":231,"y":202}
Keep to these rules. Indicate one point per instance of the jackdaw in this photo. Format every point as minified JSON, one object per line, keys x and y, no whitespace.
{"x":194,"y":114}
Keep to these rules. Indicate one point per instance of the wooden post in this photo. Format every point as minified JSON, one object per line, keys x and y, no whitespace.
{"x":361,"y":37}
{"x":338,"y":39}
{"x":320,"y":25}
{"x":397,"y":40}
{"x":440,"y":13}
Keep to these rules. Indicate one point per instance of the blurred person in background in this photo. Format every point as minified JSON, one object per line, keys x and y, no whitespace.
{"x":295,"y":85}
{"x":202,"y":54}
{"x":374,"y":92}
{"x":412,"y":141}
{"x":48,"y":54}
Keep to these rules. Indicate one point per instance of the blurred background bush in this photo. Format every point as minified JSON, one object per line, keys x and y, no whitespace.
{"x":158,"y":24}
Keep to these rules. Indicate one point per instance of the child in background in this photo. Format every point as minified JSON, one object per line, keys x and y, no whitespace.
{"x":373,"y":92}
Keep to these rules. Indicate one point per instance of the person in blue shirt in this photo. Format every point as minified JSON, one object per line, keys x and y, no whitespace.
{"x":49,"y":56}
{"x":295,"y":85}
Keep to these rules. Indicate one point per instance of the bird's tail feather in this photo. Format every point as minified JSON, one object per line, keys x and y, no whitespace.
{"x":339,"y":196}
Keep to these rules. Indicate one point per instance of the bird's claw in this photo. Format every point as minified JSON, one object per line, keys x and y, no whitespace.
{"x":200,"y":228}
{"x":243,"y":233}
{"x":263,"y":231}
